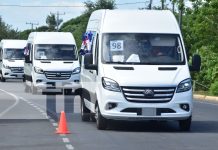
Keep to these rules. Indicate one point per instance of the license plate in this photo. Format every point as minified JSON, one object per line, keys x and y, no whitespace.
{"x":148,"y":112}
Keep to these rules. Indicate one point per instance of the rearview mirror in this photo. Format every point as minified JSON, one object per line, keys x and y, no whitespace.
{"x":196,"y":63}
{"x":88,"y":62}
{"x":27,"y":59}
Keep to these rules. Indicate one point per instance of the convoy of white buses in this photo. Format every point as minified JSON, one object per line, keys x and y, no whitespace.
{"x":133,"y":67}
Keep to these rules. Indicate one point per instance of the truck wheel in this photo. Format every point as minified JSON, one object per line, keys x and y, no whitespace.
{"x":185,"y":125}
{"x":84,"y":111}
{"x":101,"y":122}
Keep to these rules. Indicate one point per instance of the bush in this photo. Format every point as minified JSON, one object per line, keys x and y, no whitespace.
{"x":214,"y":88}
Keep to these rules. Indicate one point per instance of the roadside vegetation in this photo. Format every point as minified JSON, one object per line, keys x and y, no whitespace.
{"x":199,"y":27}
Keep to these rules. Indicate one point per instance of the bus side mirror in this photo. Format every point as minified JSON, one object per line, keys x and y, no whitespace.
{"x":27,"y":59}
{"x":88,"y":62}
{"x":196,"y":63}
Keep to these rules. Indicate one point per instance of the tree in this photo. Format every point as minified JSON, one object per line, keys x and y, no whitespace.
{"x":99,"y":4}
{"x":6,"y":31}
{"x":42,"y":29}
{"x":201,"y":36}
{"x":51,"y":22}
{"x":173,"y":2}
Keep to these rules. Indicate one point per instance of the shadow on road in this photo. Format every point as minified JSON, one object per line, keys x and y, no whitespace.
{"x":161,"y":126}
{"x":204,"y":126}
{"x":149,"y":126}
{"x":144,"y":126}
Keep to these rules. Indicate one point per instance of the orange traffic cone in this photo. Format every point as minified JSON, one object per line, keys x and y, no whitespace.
{"x":62,"y":127}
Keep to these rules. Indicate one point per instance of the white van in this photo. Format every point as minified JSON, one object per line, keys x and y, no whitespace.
{"x":51,"y":62}
{"x":11,"y":59}
{"x":137,"y":68}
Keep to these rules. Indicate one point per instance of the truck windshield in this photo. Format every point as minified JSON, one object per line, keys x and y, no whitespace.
{"x":55,"y":52}
{"x":15,"y":54}
{"x":140,"y":48}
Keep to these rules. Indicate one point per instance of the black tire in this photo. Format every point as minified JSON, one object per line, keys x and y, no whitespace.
{"x":101,"y":122}
{"x":92,"y":117}
{"x":185,"y":125}
{"x":85,"y":112}
{"x":3,"y":79}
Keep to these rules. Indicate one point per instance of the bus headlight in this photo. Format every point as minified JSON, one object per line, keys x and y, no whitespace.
{"x":38,"y":70}
{"x":6,"y":66}
{"x":76,"y":70}
{"x":184,"y":86}
{"x":110,"y":85}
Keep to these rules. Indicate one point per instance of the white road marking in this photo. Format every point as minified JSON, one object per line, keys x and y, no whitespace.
{"x":47,"y":117}
{"x":62,"y":135}
{"x":12,"y":106}
{"x":69,"y":146}
{"x":36,"y":107}
{"x":66,"y":140}
{"x":52,"y":120}
{"x":55,"y":124}
{"x":41,"y":111}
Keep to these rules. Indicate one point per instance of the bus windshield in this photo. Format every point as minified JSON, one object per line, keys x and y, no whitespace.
{"x":141,"y":48}
{"x":55,"y":52}
{"x":13,"y":53}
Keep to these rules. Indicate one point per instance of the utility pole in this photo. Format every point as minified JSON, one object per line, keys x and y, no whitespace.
{"x":32,"y":24}
{"x":58,"y":14}
{"x":181,"y":8}
{"x":150,"y":5}
{"x":147,"y":6}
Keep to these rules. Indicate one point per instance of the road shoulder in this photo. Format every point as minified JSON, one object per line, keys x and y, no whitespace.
{"x":205,"y":97}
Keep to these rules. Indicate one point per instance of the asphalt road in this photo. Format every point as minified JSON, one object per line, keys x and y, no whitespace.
{"x":25,"y":125}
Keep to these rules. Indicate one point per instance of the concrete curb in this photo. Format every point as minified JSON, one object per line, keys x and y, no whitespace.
{"x":205,"y":97}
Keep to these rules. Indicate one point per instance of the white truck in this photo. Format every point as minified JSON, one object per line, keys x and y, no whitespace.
{"x":51,"y":62}
{"x":137,"y":68}
{"x":12,"y":59}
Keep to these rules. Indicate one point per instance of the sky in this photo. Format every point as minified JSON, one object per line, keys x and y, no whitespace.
{"x":18,"y":17}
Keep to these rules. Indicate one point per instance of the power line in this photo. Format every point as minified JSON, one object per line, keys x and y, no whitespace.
{"x":32,"y":24}
{"x":11,"y":5}
{"x":130,"y":3}
{"x":41,"y":6}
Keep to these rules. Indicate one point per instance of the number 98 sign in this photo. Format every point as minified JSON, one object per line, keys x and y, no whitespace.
{"x":116,"y":45}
